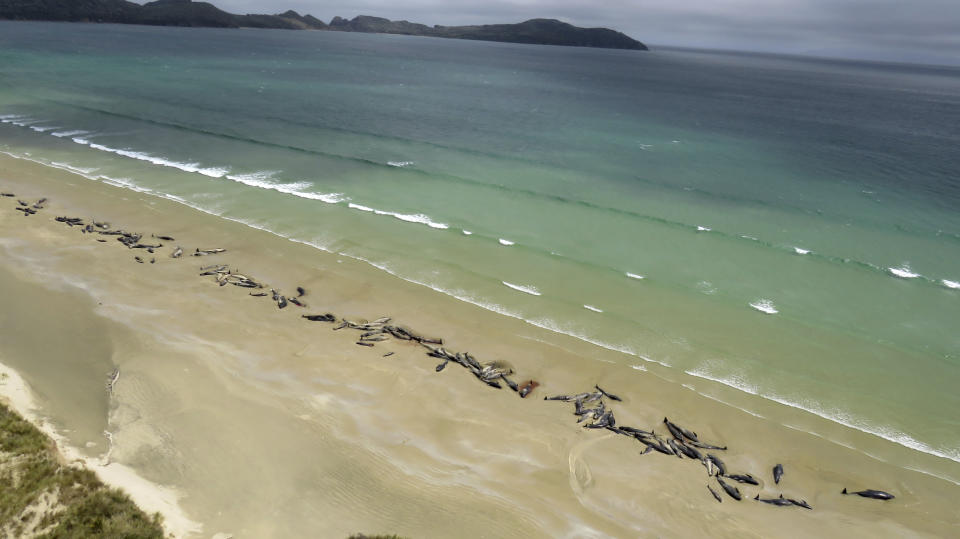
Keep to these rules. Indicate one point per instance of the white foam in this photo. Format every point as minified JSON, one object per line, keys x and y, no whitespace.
{"x":764,"y":306}
{"x":639,"y":368}
{"x":408,"y":217}
{"x":592,"y":308}
{"x":800,"y":251}
{"x":554,"y":326}
{"x":86,"y":173}
{"x":505,"y":242}
{"x":950,"y":284}
{"x":213,"y":172}
{"x":79,"y":140}
{"x":467,"y":233}
{"x":126,"y":183}
{"x":43,"y":128}
{"x":703,"y":228}
{"x":527,"y":289}
{"x":545,"y":323}
{"x":263,"y":180}
{"x":457,"y":294}
{"x":5,"y":118}
{"x":736,"y":382}
{"x":329,"y":198}
{"x":20,"y":122}
{"x":635,"y":276}
{"x":461,"y":295}
{"x":904,"y":272}
{"x":706,"y":287}
{"x":651,"y":360}
{"x":69,"y":133}
{"x":176,"y":198}
{"x":931,"y":474}
{"x":400,"y":164}
{"x":886,"y":433}
{"x":414,"y":218}
{"x":836,"y":416}
{"x":74,"y":169}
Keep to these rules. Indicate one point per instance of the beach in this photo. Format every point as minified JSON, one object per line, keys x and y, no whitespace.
{"x":260,"y":423}
{"x":761,"y":249}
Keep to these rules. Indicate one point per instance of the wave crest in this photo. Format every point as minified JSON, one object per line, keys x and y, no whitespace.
{"x":532,"y":290}
{"x":765,"y":306}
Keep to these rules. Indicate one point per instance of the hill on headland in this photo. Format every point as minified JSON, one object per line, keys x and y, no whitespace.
{"x":204,"y":14}
{"x":538,"y":31}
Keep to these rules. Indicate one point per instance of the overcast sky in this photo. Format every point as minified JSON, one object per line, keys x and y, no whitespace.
{"x":896,"y":30}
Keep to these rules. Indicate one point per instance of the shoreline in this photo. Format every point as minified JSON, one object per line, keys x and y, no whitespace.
{"x":545,"y":362}
{"x":838,"y":417}
{"x":149,"y":497}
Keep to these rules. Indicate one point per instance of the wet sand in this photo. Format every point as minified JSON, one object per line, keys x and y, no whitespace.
{"x":264,"y":424}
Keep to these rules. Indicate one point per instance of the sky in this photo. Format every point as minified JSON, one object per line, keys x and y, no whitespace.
{"x":922,"y":31}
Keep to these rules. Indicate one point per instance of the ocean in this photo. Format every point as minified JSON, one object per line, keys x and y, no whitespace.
{"x":785,"y":227}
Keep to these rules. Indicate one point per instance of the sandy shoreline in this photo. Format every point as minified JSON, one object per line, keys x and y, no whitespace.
{"x":150,"y":497}
{"x":268,"y":425}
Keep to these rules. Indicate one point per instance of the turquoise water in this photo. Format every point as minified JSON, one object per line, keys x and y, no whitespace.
{"x":785,"y":226}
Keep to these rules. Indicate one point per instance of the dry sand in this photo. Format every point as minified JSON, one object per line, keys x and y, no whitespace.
{"x":231,"y":416}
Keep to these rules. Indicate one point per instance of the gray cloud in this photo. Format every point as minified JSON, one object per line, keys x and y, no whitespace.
{"x":896,"y":30}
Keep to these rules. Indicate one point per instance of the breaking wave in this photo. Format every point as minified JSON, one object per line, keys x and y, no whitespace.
{"x":264,"y":180}
{"x":532,"y":290}
{"x":213,"y":172}
{"x":765,"y":306}
{"x":836,"y":416}
{"x":904,"y":272}
{"x":70,"y":133}
{"x":408,"y":217}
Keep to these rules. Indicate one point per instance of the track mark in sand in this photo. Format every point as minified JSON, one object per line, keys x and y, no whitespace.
{"x":580,"y":476}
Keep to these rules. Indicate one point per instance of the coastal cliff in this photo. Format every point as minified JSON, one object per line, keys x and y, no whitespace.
{"x":204,"y":14}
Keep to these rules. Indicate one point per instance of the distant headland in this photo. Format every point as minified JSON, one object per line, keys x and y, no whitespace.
{"x":203,"y":14}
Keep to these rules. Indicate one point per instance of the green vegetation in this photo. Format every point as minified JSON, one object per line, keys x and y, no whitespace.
{"x":41,"y":496}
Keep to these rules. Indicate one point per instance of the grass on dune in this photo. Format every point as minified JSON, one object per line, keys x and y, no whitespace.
{"x":41,"y":496}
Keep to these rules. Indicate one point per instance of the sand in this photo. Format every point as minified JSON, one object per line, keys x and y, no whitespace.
{"x":234,"y":417}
